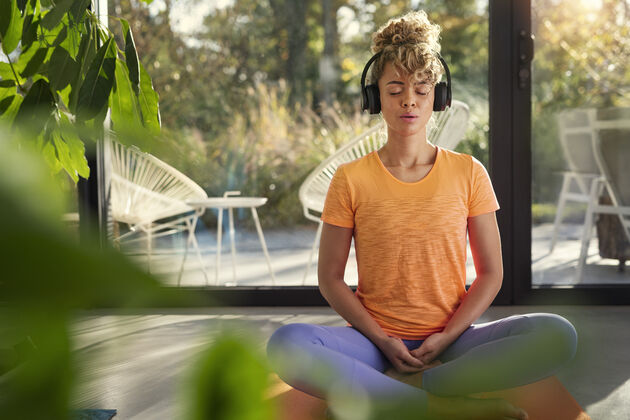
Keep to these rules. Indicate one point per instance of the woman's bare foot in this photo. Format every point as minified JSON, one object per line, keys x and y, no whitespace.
{"x":463,"y":408}
{"x":413,"y":379}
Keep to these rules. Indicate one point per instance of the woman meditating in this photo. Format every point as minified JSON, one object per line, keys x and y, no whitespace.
{"x":410,"y":338}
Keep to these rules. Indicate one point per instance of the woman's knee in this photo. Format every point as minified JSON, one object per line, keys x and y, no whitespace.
{"x":289,"y":335}
{"x":558,"y":336}
{"x":292,"y":352}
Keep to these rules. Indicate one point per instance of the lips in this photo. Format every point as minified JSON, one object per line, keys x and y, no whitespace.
{"x":408,"y":117}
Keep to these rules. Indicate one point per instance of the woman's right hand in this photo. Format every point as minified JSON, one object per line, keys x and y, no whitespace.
{"x":400,"y":357}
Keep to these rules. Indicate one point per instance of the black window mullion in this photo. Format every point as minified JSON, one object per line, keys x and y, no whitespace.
{"x":500,"y":84}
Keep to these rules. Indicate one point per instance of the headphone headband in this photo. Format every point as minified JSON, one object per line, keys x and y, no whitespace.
{"x":371,"y":100}
{"x":367,"y":66}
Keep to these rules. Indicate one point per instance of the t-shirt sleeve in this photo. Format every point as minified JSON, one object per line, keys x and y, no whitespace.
{"x":482,"y":197}
{"x":338,"y":205}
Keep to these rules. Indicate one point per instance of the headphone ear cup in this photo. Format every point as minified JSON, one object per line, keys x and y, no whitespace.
{"x":365,"y":100}
{"x":373,"y":98}
{"x":440,"y":97}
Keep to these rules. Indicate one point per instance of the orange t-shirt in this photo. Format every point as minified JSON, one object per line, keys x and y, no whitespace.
{"x":410,"y":237}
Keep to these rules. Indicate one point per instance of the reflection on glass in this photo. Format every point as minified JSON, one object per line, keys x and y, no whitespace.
{"x":581,"y":143}
{"x":255,"y":94}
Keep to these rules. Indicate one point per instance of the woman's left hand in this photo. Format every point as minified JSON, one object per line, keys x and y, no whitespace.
{"x":432,"y":347}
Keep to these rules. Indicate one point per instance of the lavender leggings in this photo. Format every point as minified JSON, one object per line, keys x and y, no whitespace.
{"x":509,"y":352}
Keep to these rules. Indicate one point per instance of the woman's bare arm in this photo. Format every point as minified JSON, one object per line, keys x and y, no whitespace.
{"x":333,"y":254}
{"x":485,"y":244}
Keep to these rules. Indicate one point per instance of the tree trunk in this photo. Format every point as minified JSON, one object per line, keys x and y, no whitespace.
{"x":297,"y":42}
{"x":328,"y":63}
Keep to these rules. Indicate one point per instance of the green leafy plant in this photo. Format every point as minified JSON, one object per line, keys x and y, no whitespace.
{"x":229,"y":382}
{"x":48,"y":279}
{"x":63,"y":71}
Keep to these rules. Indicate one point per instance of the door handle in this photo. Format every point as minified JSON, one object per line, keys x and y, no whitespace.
{"x":525,"y":57}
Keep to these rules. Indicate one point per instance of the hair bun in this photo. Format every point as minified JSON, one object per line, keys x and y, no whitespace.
{"x":413,"y":28}
{"x":411,"y":43}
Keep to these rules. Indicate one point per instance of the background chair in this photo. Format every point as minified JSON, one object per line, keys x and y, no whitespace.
{"x":611,"y":150}
{"x":450,"y":126}
{"x":447,"y":132}
{"x":157,"y":200}
{"x":576,"y":131}
{"x":150,"y":197}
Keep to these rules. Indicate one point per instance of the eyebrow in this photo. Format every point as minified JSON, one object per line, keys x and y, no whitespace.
{"x":396,"y":82}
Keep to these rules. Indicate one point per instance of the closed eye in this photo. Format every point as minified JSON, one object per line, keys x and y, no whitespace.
{"x":418,"y":92}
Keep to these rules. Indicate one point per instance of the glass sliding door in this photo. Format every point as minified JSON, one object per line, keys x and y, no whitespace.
{"x":580,"y":143}
{"x":253,"y":96}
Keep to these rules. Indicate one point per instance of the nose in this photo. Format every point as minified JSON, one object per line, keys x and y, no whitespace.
{"x":408,"y":99}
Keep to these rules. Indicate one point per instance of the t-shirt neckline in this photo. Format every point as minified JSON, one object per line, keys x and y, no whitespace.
{"x":382,"y":165}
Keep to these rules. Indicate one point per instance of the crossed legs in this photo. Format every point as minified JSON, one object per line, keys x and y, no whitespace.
{"x":509,"y":352}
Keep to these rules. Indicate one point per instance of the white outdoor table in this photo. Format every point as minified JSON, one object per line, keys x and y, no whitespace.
{"x":230,"y":202}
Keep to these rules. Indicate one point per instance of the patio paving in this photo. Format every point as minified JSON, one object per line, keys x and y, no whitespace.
{"x":289,"y":251}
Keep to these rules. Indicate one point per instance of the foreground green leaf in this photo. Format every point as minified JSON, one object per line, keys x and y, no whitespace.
{"x":95,"y":90}
{"x":125,"y":112}
{"x":72,"y":42}
{"x":5,"y":71}
{"x":230,"y":383}
{"x":149,"y":102}
{"x":24,"y":58}
{"x":5,"y":103}
{"x":34,"y":63}
{"x":36,"y":107}
{"x":87,"y":50}
{"x":10,"y":109}
{"x":63,"y":69}
{"x":63,"y":155}
{"x":50,"y":155}
{"x":53,"y":17}
{"x":29,"y":31}
{"x":8,"y":93}
{"x":78,"y":9}
{"x":10,"y":25}
{"x":7,"y":85}
{"x":131,"y":56}
{"x":61,"y":36}
{"x":78,"y":164}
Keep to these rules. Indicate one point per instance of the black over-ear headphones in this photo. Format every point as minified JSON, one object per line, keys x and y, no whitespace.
{"x":371,"y":99}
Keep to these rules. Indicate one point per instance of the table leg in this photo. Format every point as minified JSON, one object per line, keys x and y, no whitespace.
{"x":219,"y":240}
{"x":264,"y":245}
{"x":192,"y":239}
{"x":231,"y":223}
{"x":196,"y":245}
{"x":181,"y":269}
{"x":149,"y":250}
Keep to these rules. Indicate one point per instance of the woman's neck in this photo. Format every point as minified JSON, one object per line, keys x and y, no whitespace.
{"x":407,"y":152}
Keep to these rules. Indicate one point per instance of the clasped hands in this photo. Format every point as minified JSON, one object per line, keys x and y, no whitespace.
{"x":416,"y":360}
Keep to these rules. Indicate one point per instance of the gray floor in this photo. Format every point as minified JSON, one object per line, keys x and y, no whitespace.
{"x":137,"y":363}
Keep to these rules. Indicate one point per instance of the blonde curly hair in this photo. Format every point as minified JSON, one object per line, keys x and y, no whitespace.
{"x":411,"y":43}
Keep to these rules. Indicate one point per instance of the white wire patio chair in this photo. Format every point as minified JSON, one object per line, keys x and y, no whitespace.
{"x":575,"y":132}
{"x":150,"y":197}
{"x":447,"y":131}
{"x":611,"y":150}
